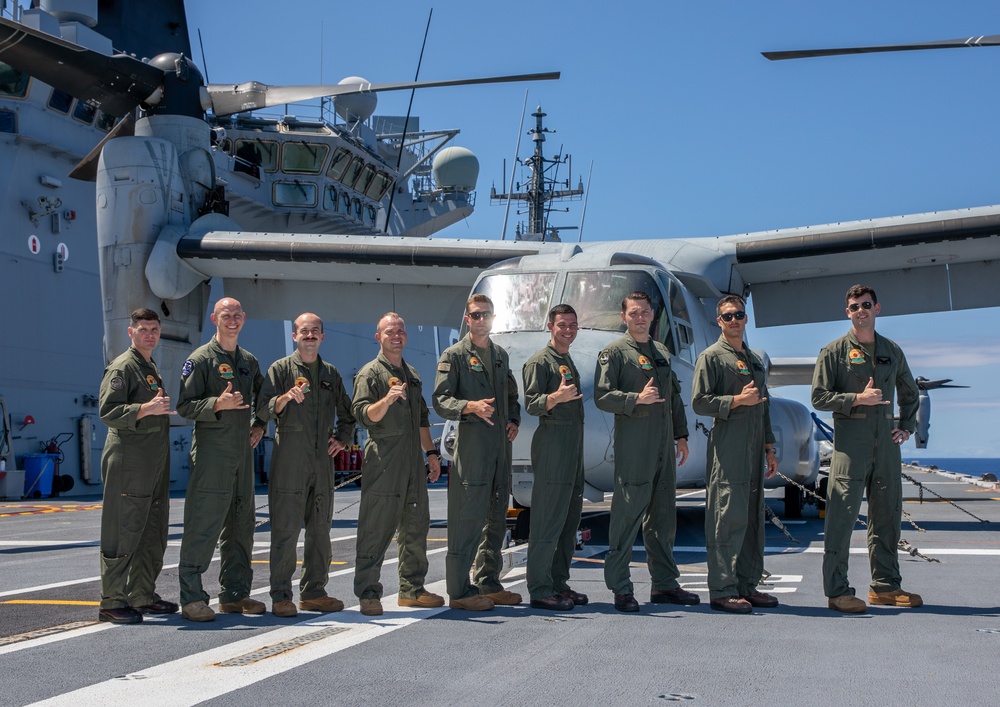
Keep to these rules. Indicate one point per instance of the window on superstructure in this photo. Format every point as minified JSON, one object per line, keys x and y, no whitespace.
{"x":370,"y":215}
{"x":60,"y":101}
{"x":338,"y":165}
{"x":345,"y":205}
{"x":294,"y":193}
{"x":8,"y":121}
{"x":379,"y":186}
{"x":330,"y":198}
{"x":105,"y":121}
{"x":303,"y":157}
{"x":13,"y":84}
{"x":255,"y":155}
{"x":353,"y":172}
{"x":310,"y":128}
{"x":84,"y":112}
{"x":365,"y":181}
{"x":356,"y":209}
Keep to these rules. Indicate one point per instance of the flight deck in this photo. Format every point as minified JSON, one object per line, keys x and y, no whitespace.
{"x":55,"y":652}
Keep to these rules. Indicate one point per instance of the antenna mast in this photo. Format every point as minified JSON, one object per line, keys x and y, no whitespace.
{"x":541,"y":188}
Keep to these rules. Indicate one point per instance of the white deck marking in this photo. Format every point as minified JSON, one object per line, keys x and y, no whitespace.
{"x":55,"y":585}
{"x":198,"y":677}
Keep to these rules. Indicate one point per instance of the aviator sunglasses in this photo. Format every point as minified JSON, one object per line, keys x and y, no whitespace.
{"x":729,"y":316}
{"x":476,"y":316}
{"x":855,"y":306}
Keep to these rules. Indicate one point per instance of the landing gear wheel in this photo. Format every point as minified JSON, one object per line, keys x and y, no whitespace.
{"x":522,"y":526}
{"x":821,"y":492}
{"x":793,"y":501}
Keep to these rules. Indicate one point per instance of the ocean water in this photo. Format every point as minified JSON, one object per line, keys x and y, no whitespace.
{"x":973,"y":466}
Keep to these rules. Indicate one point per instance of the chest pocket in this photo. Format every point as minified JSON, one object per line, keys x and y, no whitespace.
{"x":858,"y":372}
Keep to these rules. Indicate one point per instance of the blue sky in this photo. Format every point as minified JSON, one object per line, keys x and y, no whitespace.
{"x":690,"y":131}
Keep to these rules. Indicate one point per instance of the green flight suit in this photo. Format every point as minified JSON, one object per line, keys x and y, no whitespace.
{"x":394,"y":495}
{"x":301,"y":481}
{"x":734,"y":512}
{"x":557,"y":470}
{"x":479,"y":482}
{"x":135,"y":468}
{"x":865,"y":459}
{"x":219,"y":507}
{"x":645,"y":464}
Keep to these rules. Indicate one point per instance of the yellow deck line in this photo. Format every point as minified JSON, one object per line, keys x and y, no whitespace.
{"x":57,"y":602}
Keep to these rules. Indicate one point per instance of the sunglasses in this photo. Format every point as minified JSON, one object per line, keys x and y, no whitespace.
{"x":476,"y":316}
{"x":855,"y":306}
{"x":730,"y":316}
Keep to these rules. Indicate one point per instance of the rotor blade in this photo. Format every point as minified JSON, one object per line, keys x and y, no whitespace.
{"x":228,"y":99}
{"x":86,"y":169}
{"x":991,"y":40}
{"x":115,"y":84}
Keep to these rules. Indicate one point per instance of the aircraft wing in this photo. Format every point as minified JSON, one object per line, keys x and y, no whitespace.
{"x":931,"y":262}
{"x":426,"y":280}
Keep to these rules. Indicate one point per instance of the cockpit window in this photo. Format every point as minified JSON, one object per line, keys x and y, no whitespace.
{"x":520,"y":300}
{"x":597,"y":297}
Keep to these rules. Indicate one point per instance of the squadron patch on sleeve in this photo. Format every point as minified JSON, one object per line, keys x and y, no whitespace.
{"x":444,"y":367}
{"x":187,"y":368}
{"x":604,"y":357}
{"x":117,"y":383}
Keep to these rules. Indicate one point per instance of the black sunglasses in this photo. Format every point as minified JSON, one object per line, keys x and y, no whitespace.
{"x":855,"y":306}
{"x":729,"y":316}
{"x":476,"y":316}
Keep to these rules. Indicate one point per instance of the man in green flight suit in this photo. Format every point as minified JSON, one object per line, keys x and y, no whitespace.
{"x":389,"y":403}
{"x":552,"y":392}
{"x":633,"y":375}
{"x":135,"y":468}
{"x":729,"y":386}
{"x":218,"y":383}
{"x":312,"y":412}
{"x":851,"y":378}
{"x":474,"y":385}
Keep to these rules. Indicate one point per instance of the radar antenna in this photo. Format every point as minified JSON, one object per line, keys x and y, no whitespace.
{"x":541,"y":188}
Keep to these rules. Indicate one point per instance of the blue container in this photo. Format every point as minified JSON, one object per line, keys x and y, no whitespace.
{"x":39,"y":469}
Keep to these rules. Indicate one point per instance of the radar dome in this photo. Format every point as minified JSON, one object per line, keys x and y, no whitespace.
{"x":355,"y":107}
{"x":82,"y":11}
{"x":456,"y":169}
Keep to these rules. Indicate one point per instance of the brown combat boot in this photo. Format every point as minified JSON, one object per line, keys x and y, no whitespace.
{"x":897,"y":597}
{"x":847,"y":604}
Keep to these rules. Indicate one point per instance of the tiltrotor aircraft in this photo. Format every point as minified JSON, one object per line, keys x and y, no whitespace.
{"x":163,"y":233}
